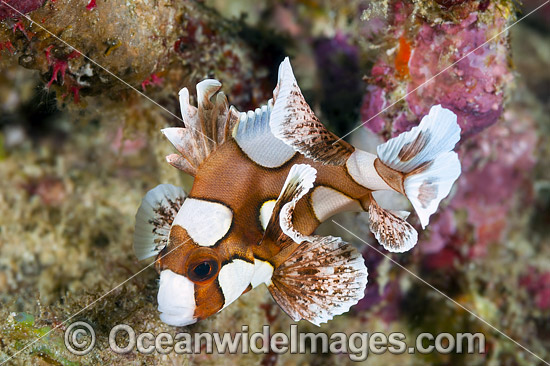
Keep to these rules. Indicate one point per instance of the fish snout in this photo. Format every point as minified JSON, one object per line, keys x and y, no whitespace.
{"x":176,"y":299}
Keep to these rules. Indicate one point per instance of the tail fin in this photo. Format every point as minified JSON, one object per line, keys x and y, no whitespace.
{"x":424,"y":154}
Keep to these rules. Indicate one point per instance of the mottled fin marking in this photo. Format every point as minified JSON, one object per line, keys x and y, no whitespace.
{"x":154,"y":219}
{"x":324,"y":277}
{"x":424,"y":156}
{"x":254,"y":137}
{"x":299,"y":181}
{"x":293,"y":121}
{"x":392,"y":231}
{"x":206,"y":127}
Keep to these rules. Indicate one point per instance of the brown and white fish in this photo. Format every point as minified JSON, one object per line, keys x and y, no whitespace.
{"x":264,"y":181}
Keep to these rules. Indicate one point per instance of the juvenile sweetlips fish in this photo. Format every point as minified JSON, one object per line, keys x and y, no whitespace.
{"x":264,"y":181}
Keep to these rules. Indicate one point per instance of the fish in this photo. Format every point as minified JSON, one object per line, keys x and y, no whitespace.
{"x":264,"y":180}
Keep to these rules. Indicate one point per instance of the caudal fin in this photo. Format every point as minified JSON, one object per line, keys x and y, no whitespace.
{"x":424,"y":155}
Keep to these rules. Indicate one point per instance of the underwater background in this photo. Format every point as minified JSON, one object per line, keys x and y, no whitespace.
{"x":79,"y":149}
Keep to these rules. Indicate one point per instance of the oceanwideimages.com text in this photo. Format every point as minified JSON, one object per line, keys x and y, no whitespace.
{"x":80,"y":339}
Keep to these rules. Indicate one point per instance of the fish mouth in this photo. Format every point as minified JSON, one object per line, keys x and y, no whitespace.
{"x":176,"y":299}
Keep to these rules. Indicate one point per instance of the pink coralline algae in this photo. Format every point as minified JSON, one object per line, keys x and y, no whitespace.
{"x":21,"y":6}
{"x":472,"y":88}
{"x":126,"y":146}
{"x":19,"y":26}
{"x":51,"y":190}
{"x":471,"y":85}
{"x":440,"y":232}
{"x":374,"y":102}
{"x":58,"y":68}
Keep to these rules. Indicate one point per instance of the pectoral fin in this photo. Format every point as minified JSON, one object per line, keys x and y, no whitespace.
{"x":154,"y":219}
{"x":324,"y":277}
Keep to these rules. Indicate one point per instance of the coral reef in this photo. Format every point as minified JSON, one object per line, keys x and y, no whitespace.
{"x":157,"y":50}
{"x":435,"y":62}
{"x":79,"y":148}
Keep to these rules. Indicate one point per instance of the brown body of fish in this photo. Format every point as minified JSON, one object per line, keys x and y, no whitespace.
{"x":217,"y":181}
{"x":264,"y":184}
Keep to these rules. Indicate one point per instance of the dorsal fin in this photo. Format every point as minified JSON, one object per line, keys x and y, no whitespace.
{"x":293,"y":121}
{"x":206,"y":127}
{"x":254,"y":137}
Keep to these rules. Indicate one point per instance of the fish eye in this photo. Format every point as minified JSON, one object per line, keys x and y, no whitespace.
{"x":203,"y":270}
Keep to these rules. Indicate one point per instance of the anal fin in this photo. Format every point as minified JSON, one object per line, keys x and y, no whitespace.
{"x":392,"y":231}
{"x":324,"y":277}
